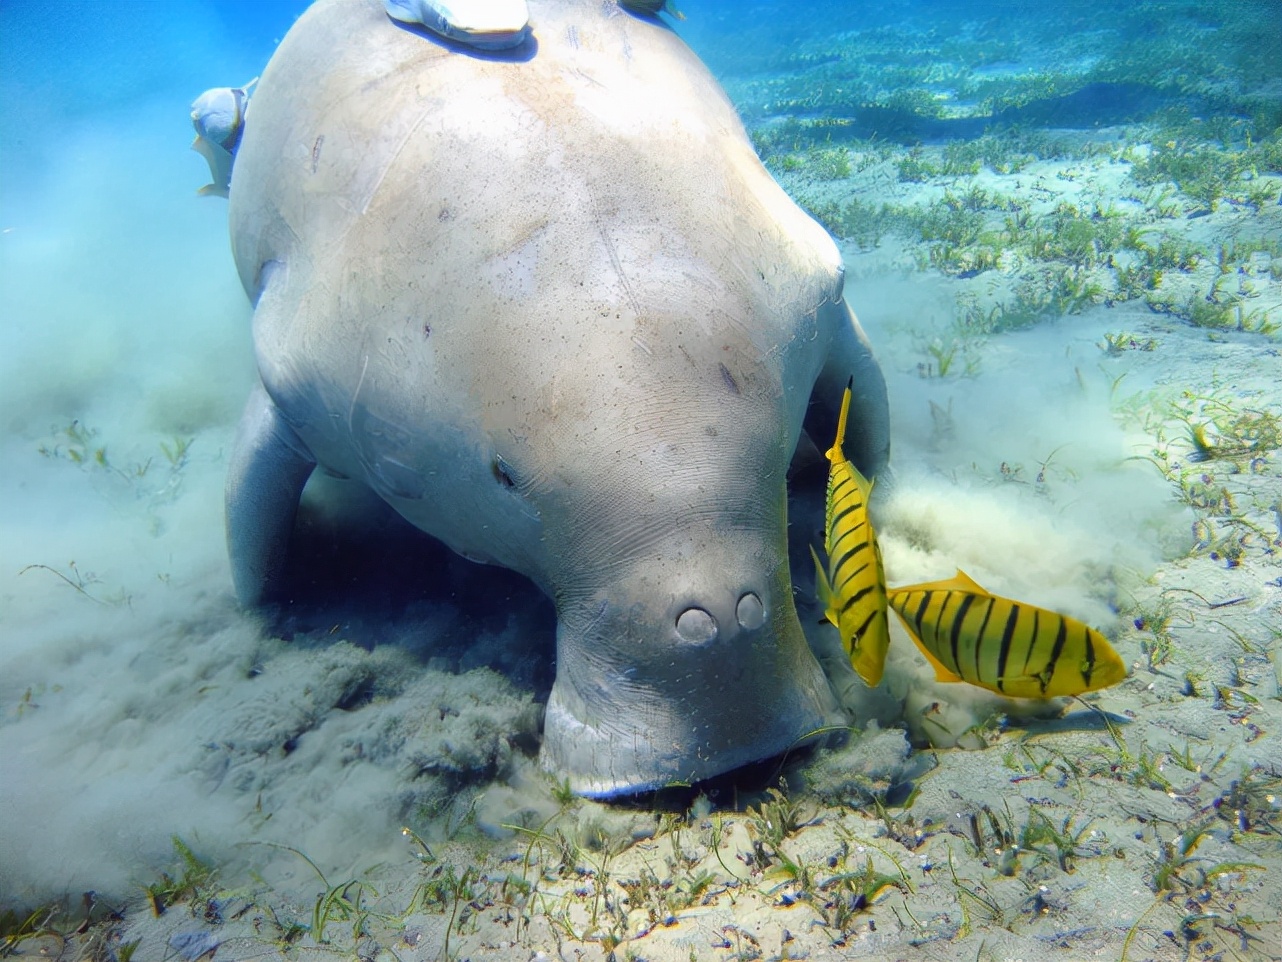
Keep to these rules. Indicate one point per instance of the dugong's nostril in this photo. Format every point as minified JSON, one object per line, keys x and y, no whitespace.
{"x":696,"y":625}
{"x":750,"y":612}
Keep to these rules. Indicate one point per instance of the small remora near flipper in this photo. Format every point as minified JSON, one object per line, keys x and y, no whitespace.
{"x":219,"y":118}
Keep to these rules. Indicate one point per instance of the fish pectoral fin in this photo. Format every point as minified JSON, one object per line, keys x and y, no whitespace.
{"x":941,"y":673}
{"x":823,"y":588}
{"x":862,"y":483}
{"x":868,"y":663}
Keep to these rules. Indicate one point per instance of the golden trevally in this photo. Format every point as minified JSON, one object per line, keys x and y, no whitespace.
{"x":853,"y":589}
{"x":1008,"y":647}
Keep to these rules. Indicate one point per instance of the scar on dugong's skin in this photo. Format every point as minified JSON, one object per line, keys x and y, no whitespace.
{"x":554,"y":311}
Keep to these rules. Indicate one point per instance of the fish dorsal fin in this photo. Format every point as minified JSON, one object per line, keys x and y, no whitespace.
{"x":964,"y":582}
{"x":958,"y":582}
{"x":865,"y":486}
{"x":835,"y":455}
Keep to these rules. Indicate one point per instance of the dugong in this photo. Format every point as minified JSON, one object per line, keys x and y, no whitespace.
{"x":551,"y":308}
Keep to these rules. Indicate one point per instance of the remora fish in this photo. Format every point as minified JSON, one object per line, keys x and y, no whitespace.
{"x":219,"y":118}
{"x":1011,"y":648}
{"x":853,"y":589}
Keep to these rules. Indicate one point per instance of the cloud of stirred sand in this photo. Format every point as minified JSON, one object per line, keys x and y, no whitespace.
{"x":137,"y":702}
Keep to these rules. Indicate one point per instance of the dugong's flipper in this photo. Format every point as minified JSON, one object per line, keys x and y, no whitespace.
{"x":269,"y":466}
{"x":650,"y":8}
{"x":484,"y":24}
{"x":850,"y":356}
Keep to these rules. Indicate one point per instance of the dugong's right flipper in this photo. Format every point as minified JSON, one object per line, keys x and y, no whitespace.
{"x":269,"y":466}
{"x":850,"y":360}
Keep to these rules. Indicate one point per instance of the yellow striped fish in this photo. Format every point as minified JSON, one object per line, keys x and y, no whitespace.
{"x":853,"y":589}
{"x":1008,"y":647}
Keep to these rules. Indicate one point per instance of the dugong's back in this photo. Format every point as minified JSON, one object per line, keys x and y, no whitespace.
{"x":571,"y":200}
{"x":358,"y":118}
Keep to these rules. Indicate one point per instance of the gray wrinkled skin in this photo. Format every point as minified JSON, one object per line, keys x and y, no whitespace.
{"x":553,"y":310}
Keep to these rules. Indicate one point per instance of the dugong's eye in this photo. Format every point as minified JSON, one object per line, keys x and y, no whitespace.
{"x":503,"y":472}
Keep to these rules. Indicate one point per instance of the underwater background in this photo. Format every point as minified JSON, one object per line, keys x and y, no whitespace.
{"x":1063,"y":235}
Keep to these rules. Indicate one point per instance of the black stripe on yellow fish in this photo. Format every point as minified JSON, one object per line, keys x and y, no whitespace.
{"x":970,"y":635}
{"x":853,"y":587}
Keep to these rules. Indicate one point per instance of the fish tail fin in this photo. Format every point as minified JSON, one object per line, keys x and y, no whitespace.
{"x":835,"y":454}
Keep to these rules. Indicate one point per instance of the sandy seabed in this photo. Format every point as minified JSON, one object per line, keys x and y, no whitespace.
{"x":355,"y":776}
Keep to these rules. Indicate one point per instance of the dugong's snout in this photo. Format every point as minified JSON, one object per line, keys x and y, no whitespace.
{"x":649,"y":695}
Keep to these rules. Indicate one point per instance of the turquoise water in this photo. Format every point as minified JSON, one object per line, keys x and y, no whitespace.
{"x":1020,"y":191}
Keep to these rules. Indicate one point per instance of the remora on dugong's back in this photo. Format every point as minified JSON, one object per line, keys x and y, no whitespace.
{"x":553,"y":310}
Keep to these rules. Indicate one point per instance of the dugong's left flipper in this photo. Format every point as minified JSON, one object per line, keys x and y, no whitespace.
{"x":269,"y":466}
{"x":850,"y":360}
